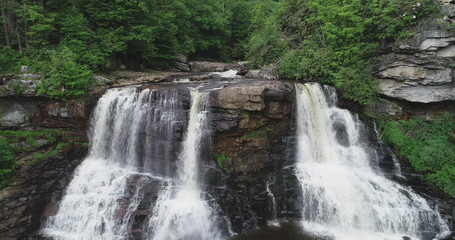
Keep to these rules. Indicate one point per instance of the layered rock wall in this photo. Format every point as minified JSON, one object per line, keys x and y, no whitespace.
{"x":421,"y":69}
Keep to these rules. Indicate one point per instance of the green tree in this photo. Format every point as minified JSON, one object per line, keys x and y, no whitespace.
{"x":65,"y":78}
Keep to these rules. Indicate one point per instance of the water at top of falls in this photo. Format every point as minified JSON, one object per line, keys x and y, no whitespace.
{"x":232,"y":73}
{"x":181,"y":211}
{"x":342,"y":195}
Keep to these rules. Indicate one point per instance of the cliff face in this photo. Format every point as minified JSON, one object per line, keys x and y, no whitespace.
{"x":246,"y":169}
{"x":421,"y":69}
{"x":253,"y":143}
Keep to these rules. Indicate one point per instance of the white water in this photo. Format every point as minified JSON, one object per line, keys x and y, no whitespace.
{"x":133,"y":133}
{"x":342,"y":195}
{"x":181,"y":211}
{"x":273,"y":201}
{"x":226,"y":74}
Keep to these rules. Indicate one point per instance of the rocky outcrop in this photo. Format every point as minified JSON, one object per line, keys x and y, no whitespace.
{"x":253,"y":141}
{"x":36,"y":184}
{"x":19,"y":85}
{"x":181,"y":63}
{"x":28,"y":112}
{"x":421,"y":69}
{"x":246,"y":158}
{"x":205,"y":66}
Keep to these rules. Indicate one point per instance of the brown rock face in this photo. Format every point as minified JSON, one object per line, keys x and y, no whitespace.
{"x":252,"y":143}
{"x":250,"y":120}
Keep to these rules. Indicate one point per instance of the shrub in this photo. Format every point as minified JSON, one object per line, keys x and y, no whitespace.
{"x":7,"y":162}
{"x":8,"y":60}
{"x":64,"y":78}
{"x":427,"y":146}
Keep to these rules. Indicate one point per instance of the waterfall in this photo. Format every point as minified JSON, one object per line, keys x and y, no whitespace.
{"x":343,"y":196}
{"x":181,"y":211}
{"x":133,"y":145}
{"x":272,"y":199}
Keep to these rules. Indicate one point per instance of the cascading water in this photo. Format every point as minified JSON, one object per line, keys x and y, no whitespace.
{"x":133,"y":137}
{"x":181,"y":211}
{"x":342,"y":195}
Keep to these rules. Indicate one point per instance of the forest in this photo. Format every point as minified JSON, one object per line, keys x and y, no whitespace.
{"x":326,"y":41}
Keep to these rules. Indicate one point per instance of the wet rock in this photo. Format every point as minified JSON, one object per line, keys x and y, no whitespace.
{"x":428,"y":235}
{"x":198,"y":78}
{"x":243,"y":68}
{"x":252,"y":123}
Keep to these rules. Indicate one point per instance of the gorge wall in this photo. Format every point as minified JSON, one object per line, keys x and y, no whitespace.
{"x":246,"y":167}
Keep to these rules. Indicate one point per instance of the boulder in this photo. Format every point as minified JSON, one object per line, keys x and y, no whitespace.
{"x":182,"y":58}
{"x":181,"y":66}
{"x":205,"y":66}
{"x":15,"y":114}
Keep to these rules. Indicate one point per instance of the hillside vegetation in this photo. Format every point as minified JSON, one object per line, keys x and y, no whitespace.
{"x":327,"y":41}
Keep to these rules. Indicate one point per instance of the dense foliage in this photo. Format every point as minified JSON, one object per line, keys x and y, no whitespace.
{"x":7,"y":162}
{"x":67,"y":40}
{"x":326,"y":41}
{"x":429,"y":147}
{"x":331,"y":41}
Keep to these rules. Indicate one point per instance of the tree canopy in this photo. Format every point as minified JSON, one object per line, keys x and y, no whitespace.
{"x":325,"y":41}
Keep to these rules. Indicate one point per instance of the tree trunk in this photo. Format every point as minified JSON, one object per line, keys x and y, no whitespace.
{"x":18,"y":40}
{"x":5,"y":25}
{"x":25,"y":26}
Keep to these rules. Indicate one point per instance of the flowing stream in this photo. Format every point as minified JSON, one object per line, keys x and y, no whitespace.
{"x":343,"y":196}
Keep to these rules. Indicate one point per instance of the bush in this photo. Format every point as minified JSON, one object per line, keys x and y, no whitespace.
{"x":7,"y":162}
{"x":9,"y":60}
{"x":332,"y":41}
{"x":64,"y":78}
{"x":310,"y":62}
{"x":427,"y":146}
